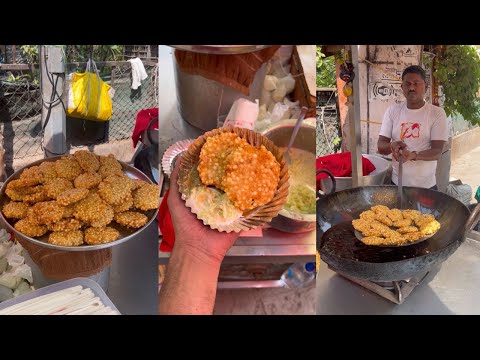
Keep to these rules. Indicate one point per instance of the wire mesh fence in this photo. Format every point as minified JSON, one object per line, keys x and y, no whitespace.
{"x":20,"y":112}
{"x":126,"y":103}
{"x":328,"y":123}
{"x":21,"y":107}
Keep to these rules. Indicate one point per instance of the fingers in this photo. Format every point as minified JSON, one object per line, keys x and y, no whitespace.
{"x":174,"y":175}
{"x":398,"y":147}
{"x":174,"y":194}
{"x":395,"y":152}
{"x":408,"y":155}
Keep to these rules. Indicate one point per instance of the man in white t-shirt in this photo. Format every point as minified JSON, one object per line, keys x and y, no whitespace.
{"x":415,"y":130}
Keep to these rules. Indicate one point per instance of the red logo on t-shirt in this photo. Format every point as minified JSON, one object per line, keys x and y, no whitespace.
{"x":409,"y":130}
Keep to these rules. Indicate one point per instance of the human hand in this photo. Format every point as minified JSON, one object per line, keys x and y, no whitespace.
{"x":190,"y":233}
{"x":397,"y":147}
{"x":409,"y":155}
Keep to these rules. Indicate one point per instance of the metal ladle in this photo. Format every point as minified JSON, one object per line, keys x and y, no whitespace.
{"x":400,"y":177}
{"x":286,"y":155}
{"x":359,"y":235}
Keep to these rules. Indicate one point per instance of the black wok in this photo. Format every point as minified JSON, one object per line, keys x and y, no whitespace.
{"x":339,"y":248}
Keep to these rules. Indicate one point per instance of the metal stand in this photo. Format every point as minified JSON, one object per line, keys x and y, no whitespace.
{"x":395,"y":291}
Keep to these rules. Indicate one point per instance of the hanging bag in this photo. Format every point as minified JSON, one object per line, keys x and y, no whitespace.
{"x":89,"y":97}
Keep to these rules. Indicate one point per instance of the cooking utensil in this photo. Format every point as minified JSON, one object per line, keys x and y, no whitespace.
{"x":376,"y":177}
{"x":125,"y":233}
{"x":400,"y":177}
{"x":280,"y":133}
{"x":360,"y":237}
{"x":339,"y":247}
{"x":303,"y":112}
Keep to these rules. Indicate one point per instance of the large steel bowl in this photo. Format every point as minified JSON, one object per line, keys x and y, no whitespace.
{"x":280,"y":133}
{"x":376,"y":177}
{"x":203,"y":102}
{"x":125,"y":233}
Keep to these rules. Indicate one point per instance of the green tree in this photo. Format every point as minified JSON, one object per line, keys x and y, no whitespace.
{"x":30,"y":52}
{"x":77,"y":53}
{"x":326,"y":73}
{"x":457,"y":70}
{"x":99,"y":53}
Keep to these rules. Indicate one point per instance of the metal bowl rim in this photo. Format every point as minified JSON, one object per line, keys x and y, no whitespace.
{"x":291,"y":123}
{"x":17,"y":173}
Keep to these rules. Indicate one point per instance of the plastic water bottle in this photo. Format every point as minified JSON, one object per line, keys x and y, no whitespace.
{"x":299,"y":275}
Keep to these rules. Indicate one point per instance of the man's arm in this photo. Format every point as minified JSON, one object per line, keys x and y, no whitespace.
{"x":431,"y":154}
{"x":190,"y":284}
{"x":383,"y":145}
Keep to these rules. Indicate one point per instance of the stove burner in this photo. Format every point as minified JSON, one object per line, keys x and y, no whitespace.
{"x":394,"y":291}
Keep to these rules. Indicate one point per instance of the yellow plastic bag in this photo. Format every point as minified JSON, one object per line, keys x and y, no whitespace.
{"x":89,"y":97}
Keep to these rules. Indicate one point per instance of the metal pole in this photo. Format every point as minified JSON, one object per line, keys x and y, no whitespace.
{"x":355,"y":130}
{"x":53,"y":114}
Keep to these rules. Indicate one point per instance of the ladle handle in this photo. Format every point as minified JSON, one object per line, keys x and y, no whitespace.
{"x":400,"y":180}
{"x":149,"y":135}
{"x":303,"y":112}
{"x":334,"y":182}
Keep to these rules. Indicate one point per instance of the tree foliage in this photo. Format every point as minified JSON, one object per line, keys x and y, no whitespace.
{"x":78,"y":53}
{"x":97,"y":52}
{"x":326,"y":73}
{"x":457,"y":70}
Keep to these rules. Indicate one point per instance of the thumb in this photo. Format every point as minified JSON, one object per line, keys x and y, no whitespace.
{"x":174,"y":175}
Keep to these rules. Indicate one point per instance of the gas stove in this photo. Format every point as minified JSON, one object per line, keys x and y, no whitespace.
{"x":394,"y":291}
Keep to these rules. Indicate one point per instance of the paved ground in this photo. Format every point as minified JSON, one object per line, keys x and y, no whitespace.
{"x":266,"y":302}
{"x":467,"y":169}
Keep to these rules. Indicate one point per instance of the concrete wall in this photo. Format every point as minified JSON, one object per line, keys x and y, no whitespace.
{"x":381,"y":87}
{"x":379,"y":70}
{"x":465,"y":142}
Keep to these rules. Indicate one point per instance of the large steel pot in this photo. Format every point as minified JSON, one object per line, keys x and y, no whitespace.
{"x":202,"y":102}
{"x":376,"y":177}
{"x":280,"y":134}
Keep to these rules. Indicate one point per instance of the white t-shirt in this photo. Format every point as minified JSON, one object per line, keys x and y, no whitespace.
{"x":417,"y":128}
